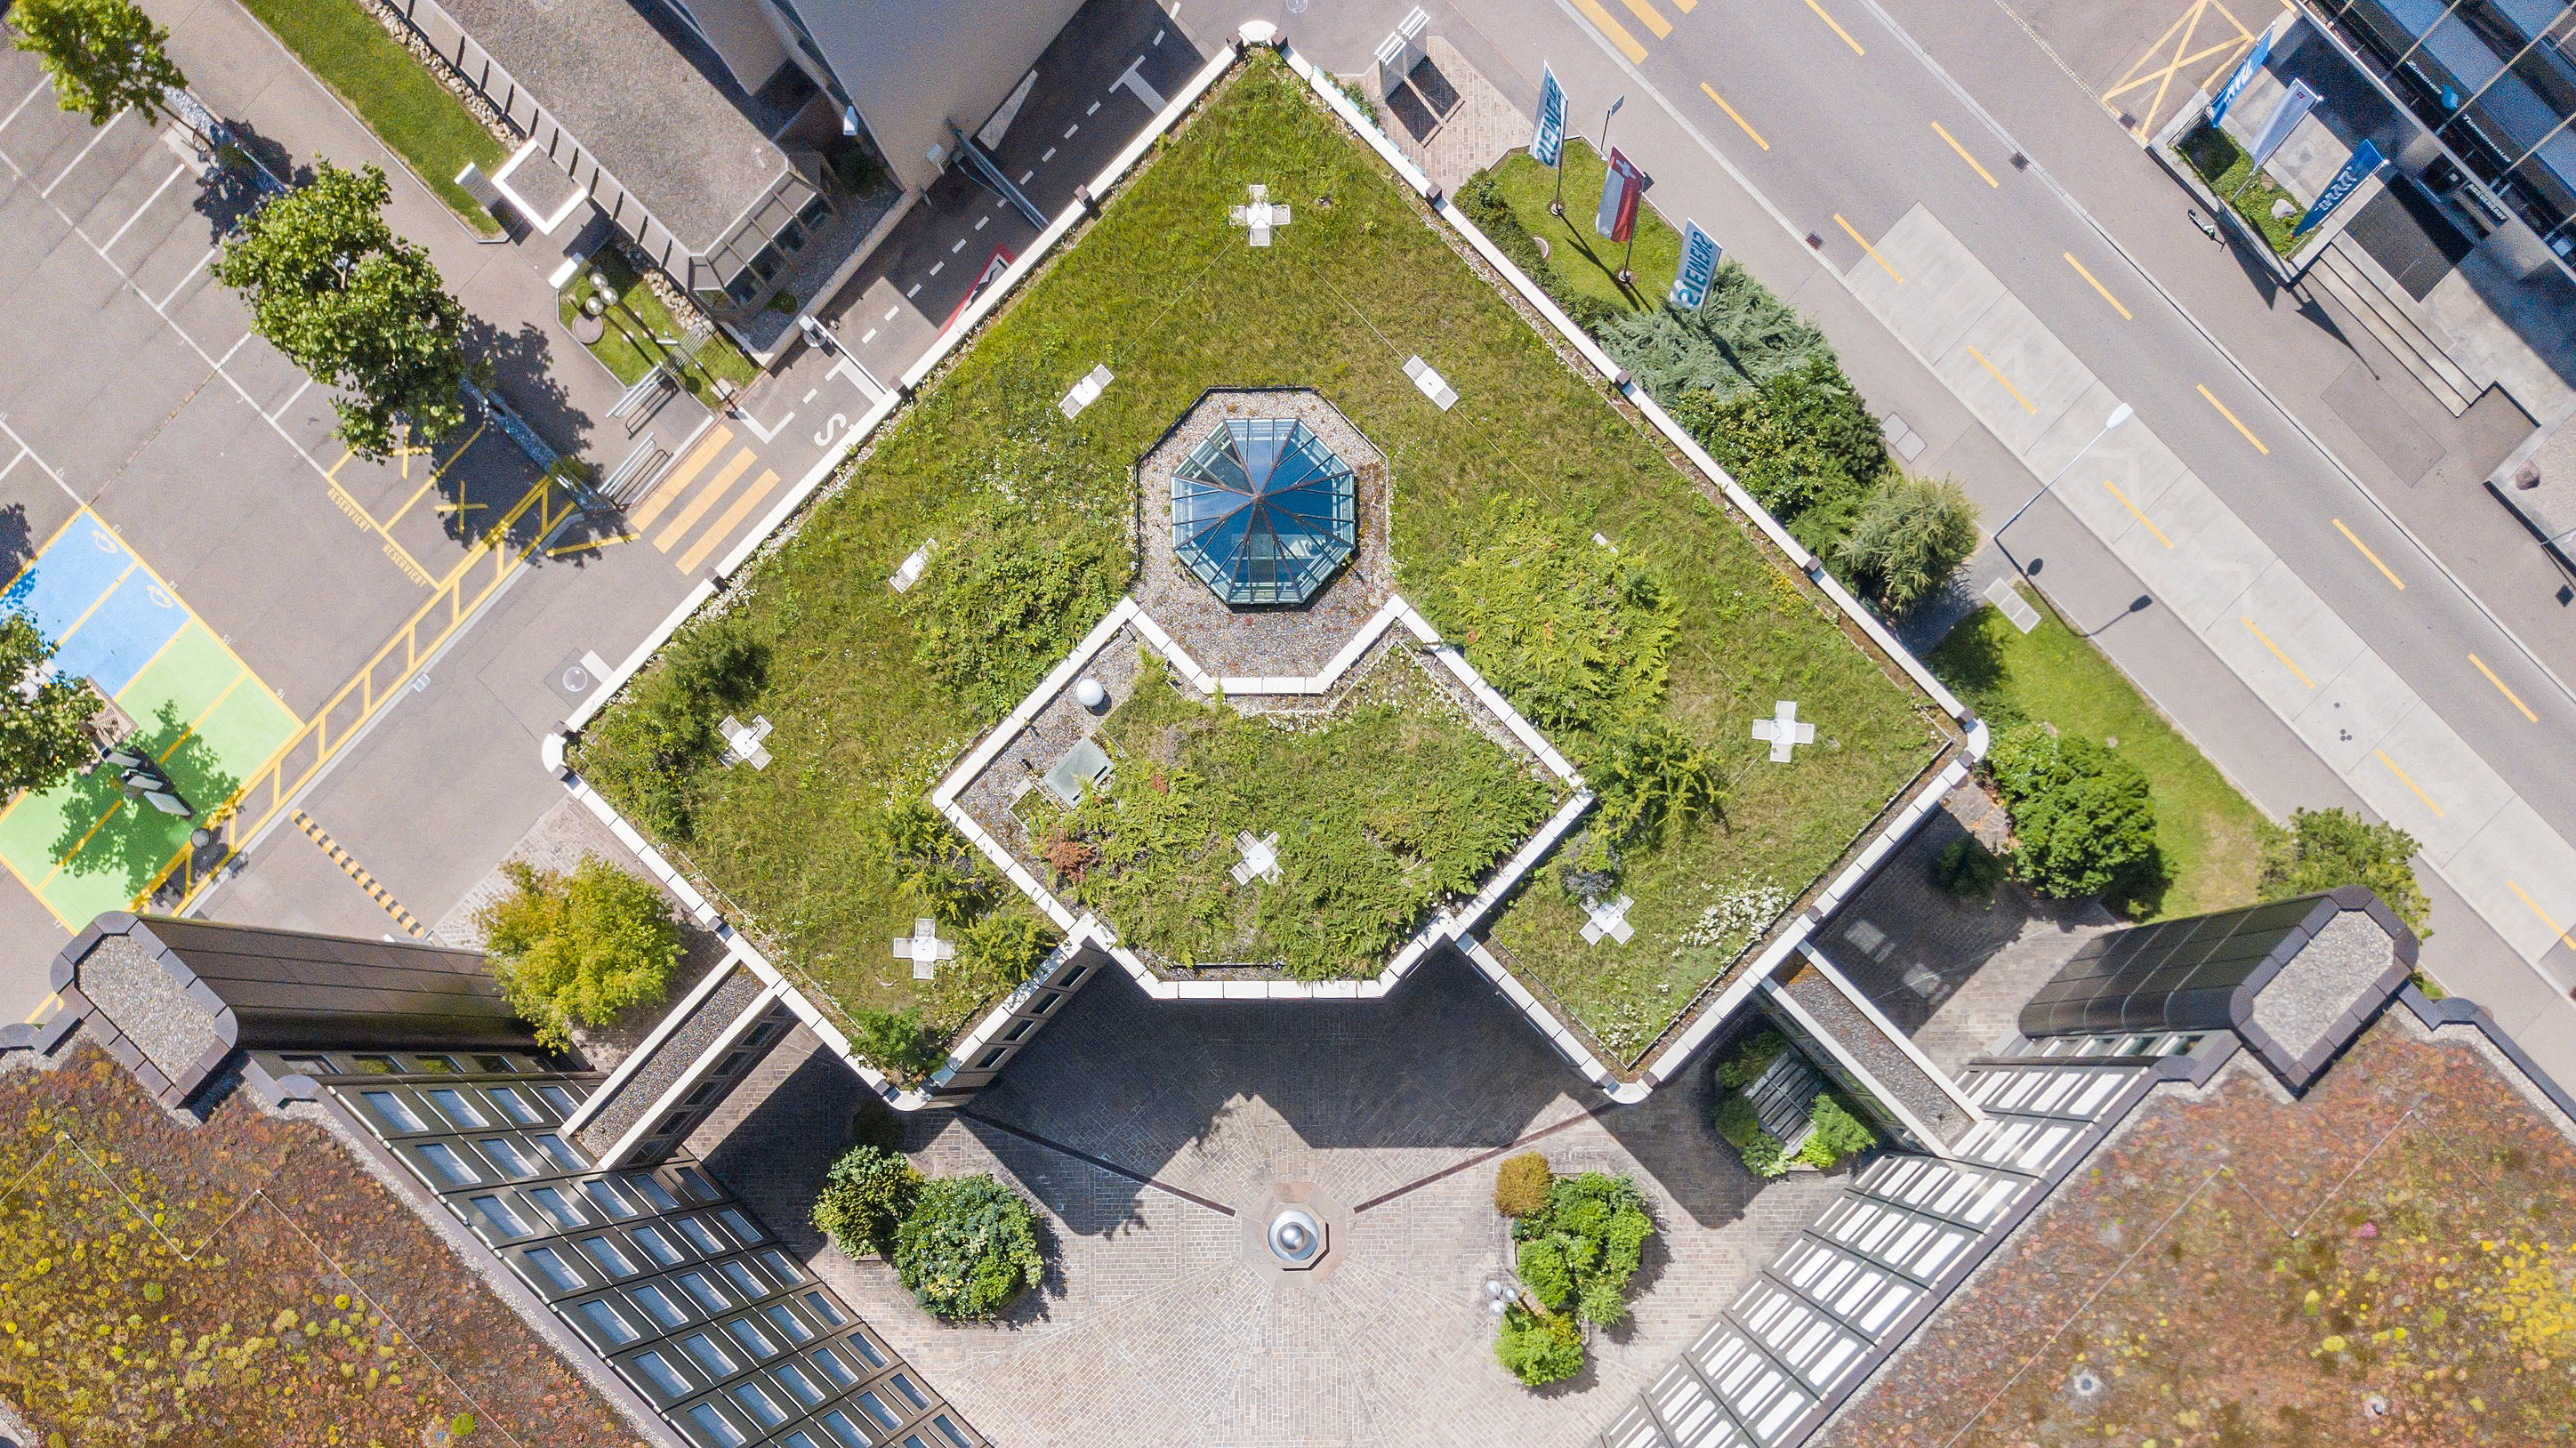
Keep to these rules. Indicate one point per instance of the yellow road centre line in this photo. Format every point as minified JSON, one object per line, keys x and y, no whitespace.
{"x":734,"y":467}
{"x":731,"y":519}
{"x":1838,"y":27}
{"x":2384,"y":570}
{"x":1732,"y":116}
{"x":679,"y":478}
{"x":2266,"y":640}
{"x":2231,"y":418}
{"x":1865,"y":246}
{"x":2534,"y":906}
{"x":2503,"y":689}
{"x":2125,"y":315}
{"x":1997,"y":373}
{"x":2410,"y":784}
{"x":2135,"y":513}
{"x":1944,"y":134}
{"x":1617,"y":32}
{"x":1648,"y":17}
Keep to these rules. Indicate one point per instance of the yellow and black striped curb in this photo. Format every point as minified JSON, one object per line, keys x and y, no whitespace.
{"x":357,"y":872}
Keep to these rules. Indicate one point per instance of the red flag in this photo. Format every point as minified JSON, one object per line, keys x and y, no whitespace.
{"x":1621,"y":187}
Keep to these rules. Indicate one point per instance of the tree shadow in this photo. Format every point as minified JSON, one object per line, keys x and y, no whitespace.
{"x":522,"y":363}
{"x":106,"y":834}
{"x":17,"y":540}
{"x":262,"y":167}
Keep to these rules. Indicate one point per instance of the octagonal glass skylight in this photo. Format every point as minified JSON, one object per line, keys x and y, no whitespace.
{"x":1263,"y":511}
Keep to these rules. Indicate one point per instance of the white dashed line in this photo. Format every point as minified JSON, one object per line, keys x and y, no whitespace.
{"x":1044,"y":157}
{"x":1069,"y":130}
{"x":863,"y":341}
{"x":980,"y":220}
{"x":1158,"y":37}
{"x":914,"y":291}
{"x":810,"y":391}
{"x":1025,"y":175}
{"x":1095,"y":109}
{"x":960,"y":246}
{"x":934,"y":271}
{"x":890,"y":311}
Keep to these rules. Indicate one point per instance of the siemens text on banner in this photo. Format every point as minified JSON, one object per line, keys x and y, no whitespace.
{"x":1700,"y":252}
{"x":2365,"y":160}
{"x":2242,"y":76}
{"x":1548,"y":145}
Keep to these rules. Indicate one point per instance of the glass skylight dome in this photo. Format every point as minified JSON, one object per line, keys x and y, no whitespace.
{"x":1264,"y":512}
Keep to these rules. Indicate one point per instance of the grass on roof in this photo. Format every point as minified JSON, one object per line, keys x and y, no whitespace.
{"x":2208,"y":836}
{"x":1583,"y":259}
{"x":394,"y":94}
{"x":1169,"y":296}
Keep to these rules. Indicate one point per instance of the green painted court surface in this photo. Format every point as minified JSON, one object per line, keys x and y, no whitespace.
{"x":81,"y":846}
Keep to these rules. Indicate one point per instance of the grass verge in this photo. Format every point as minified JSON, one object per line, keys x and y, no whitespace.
{"x":400,"y":101}
{"x":2208,"y":836}
{"x":637,"y":321}
{"x":2222,"y":163}
{"x":1169,"y":297}
{"x":1584,"y":260}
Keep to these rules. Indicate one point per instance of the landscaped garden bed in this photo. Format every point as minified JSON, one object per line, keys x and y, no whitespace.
{"x":152,"y":1298}
{"x":638,"y":333}
{"x":2216,"y":158}
{"x":1621,"y":607}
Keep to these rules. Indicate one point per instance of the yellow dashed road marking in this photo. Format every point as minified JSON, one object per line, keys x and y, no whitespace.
{"x":1865,"y":246}
{"x":2503,"y":689}
{"x":2231,"y":419}
{"x":1944,"y":134}
{"x":1732,"y":116}
{"x":2410,"y":784}
{"x":2266,"y":640}
{"x":348,"y":866}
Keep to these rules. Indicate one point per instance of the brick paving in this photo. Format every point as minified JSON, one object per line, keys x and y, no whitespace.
{"x":1158,"y":1324}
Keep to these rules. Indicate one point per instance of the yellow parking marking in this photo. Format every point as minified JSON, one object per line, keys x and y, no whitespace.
{"x":680,"y":477}
{"x":1944,"y":134}
{"x":1865,"y":246}
{"x":2383,"y":568}
{"x":1617,"y":32}
{"x":1997,"y":373}
{"x":2135,"y":513}
{"x":357,"y":513}
{"x":1838,"y":27}
{"x":587,"y":544}
{"x":1647,"y":16}
{"x":2410,"y":784}
{"x":436,"y":472}
{"x":725,"y":524}
{"x":2097,"y":286}
{"x":2266,"y":640}
{"x":2534,"y":905}
{"x":1732,"y":116}
{"x":1685,"y":6}
{"x":44,"y":1007}
{"x":2503,"y":689}
{"x":358,"y":873}
{"x":734,"y":467}
{"x":2247,"y":432}
{"x":2174,"y":53}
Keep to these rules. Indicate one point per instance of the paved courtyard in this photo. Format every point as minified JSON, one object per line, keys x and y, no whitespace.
{"x":1152,"y":1134}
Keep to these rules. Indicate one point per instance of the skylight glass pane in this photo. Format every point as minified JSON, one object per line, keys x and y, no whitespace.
{"x":551,"y":1266}
{"x":713,"y":1424}
{"x":605,"y":1252}
{"x":608,"y":1199}
{"x":513,"y":1105}
{"x":710,"y":1356}
{"x":658,"y":1371}
{"x":395,"y":1112}
{"x":603,"y":1319}
{"x":1263,"y":511}
{"x":659,"y":1304}
{"x":452,"y":1104}
{"x":450,"y":1164}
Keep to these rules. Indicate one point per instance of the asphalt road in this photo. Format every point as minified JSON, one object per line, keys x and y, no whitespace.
{"x":1805,"y":135}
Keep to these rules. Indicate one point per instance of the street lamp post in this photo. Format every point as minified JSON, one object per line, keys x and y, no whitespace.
{"x":2119,"y":415}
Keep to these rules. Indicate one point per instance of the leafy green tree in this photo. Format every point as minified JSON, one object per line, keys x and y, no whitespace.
{"x":2084,"y":819}
{"x":969,"y":1246}
{"x":1539,"y":1348}
{"x":1836,"y":1134}
{"x":329,"y":284}
{"x":898,"y":1042}
{"x":1911,"y":536}
{"x":2324,"y":849}
{"x":41,"y":736}
{"x":103,"y":56}
{"x":1796,"y":441}
{"x":1581,"y":1247}
{"x":866,"y":1195}
{"x":579,"y":947}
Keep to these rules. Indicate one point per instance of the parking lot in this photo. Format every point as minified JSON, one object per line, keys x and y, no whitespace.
{"x":210,"y":554}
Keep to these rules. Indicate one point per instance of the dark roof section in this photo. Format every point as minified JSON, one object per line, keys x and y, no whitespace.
{"x":226,"y":988}
{"x":2313,"y":969}
{"x":639,"y":95}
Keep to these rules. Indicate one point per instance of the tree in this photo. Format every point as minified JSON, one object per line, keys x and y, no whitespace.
{"x":1521,"y":1183}
{"x":329,"y":284}
{"x":2084,"y":821}
{"x":969,"y":1245}
{"x":103,"y":56}
{"x":1539,"y":1348}
{"x":1912,"y":535}
{"x":579,"y":947}
{"x":2324,"y":849}
{"x":41,"y":735}
{"x":1579,"y":1249}
{"x":866,"y":1195}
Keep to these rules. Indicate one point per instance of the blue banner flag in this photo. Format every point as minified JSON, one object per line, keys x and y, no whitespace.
{"x":1548,"y":146}
{"x":2242,"y":76}
{"x":2365,"y":161}
{"x":1700,"y":252}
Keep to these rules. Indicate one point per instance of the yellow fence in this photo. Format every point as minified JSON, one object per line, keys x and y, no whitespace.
{"x":488,"y":561}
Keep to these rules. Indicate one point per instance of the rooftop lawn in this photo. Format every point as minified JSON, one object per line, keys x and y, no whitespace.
{"x":152,"y":1298}
{"x":2208,"y":836}
{"x":1583,"y":259}
{"x":1167,"y":294}
{"x":1392,"y":806}
{"x":2384,"y":1261}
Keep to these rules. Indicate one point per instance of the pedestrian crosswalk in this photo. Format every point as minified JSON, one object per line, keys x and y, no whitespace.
{"x":701,"y":483}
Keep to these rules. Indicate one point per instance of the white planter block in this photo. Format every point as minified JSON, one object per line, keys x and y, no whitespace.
{"x":1197,"y":990}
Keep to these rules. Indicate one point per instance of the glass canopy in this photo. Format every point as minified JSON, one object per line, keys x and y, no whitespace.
{"x":1263,"y":511}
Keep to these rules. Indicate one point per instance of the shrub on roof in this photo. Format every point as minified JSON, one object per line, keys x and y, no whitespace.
{"x":579,"y":947}
{"x":865,"y":1198}
{"x":968,"y":1247}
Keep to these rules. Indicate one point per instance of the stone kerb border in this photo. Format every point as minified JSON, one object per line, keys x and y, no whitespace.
{"x":552,"y":748}
{"x":1090,"y":929}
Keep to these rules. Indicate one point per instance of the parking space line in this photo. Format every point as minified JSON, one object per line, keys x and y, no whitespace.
{"x":167,"y":297}
{"x":2383,"y":568}
{"x":2231,"y":418}
{"x":21,"y":105}
{"x":2503,"y":689}
{"x":2136,"y":513}
{"x":1838,"y":27}
{"x":75,"y":625}
{"x":2266,"y":640}
{"x":1745,"y":125}
{"x":436,"y":472}
{"x":2410,"y":784}
{"x":74,"y":164}
{"x":175,"y":173}
{"x":1865,"y":246}
{"x":27,"y":450}
{"x":1973,"y":164}
{"x":290,"y":397}
{"x":2534,"y":907}
{"x":357,"y":513}
{"x":2124,"y":312}
{"x":1997,"y":373}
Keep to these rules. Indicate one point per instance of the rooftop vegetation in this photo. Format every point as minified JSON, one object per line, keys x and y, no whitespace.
{"x":874,"y":692}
